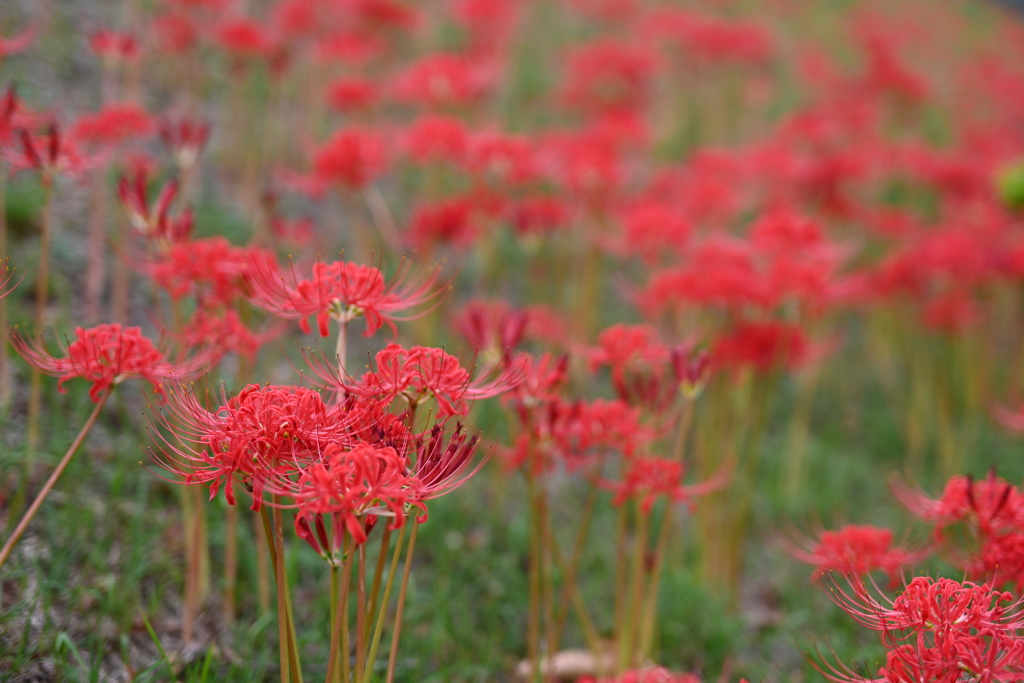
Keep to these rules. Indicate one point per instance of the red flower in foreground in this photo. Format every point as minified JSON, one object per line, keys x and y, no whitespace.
{"x":354,"y":486}
{"x":938,"y":630}
{"x":340,"y":290}
{"x":262,"y":436}
{"x":107,"y":355}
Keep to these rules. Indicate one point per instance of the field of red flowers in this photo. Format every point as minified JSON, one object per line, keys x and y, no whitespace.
{"x":604,"y":341}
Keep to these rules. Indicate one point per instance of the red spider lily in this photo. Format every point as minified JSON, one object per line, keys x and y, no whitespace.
{"x":422,"y":372}
{"x":351,"y":158}
{"x":443,"y":460}
{"x":537,"y":216}
{"x":263,"y":435}
{"x":710,"y":39}
{"x":5,"y":279}
{"x":448,"y":221}
{"x":433,"y":138}
{"x":492,"y":327}
{"x":503,"y":160}
{"x":653,"y":675}
{"x":353,"y":486}
{"x":340,"y":290}
{"x":51,"y":153}
{"x":16,"y":44}
{"x":114,"y":124}
{"x":625,"y":348}
{"x":939,"y":630}
{"x":692,"y":369}
{"x":444,"y":81}
{"x":763,"y":347}
{"x":245,"y":38}
{"x":652,"y":230}
{"x":107,"y":355}
{"x":607,"y":76}
{"x":154,"y":222}
{"x":9,"y":105}
{"x":988,"y":506}
{"x":545,"y":377}
{"x":857,"y":550}
{"x":647,"y":479}
{"x":113,"y":47}
{"x":351,"y":94}
{"x":185,"y":139}
{"x":224,"y":332}
{"x":212,"y":269}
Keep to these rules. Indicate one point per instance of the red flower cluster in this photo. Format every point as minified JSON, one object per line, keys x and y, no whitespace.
{"x":938,"y":630}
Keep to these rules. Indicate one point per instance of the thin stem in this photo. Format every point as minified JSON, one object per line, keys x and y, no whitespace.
{"x":378,"y":573}
{"x":282,"y":618}
{"x":341,"y":348}
{"x":533,"y":622}
{"x":547,"y":580}
{"x":343,"y":615}
{"x":620,"y":570}
{"x":393,"y":657}
{"x":42,"y":283}
{"x":48,"y":486}
{"x":230,"y":558}
{"x":651,"y":601}
{"x":589,"y":630}
{"x":340,"y":607}
{"x":5,"y":360}
{"x":383,"y":608}
{"x":636,"y":599}
{"x":262,"y":562}
{"x":361,"y":610}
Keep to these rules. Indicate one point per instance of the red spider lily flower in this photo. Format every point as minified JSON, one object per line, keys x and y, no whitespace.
{"x":448,"y":221}
{"x":444,"y":81}
{"x":536,"y":216}
{"x":624,"y":348}
{"x":503,"y":160}
{"x":224,"y":332}
{"x":113,"y":47}
{"x":353,"y":486}
{"x":114,"y":124}
{"x":154,"y":222}
{"x":5,"y":279}
{"x":607,"y":76}
{"x":545,"y":377}
{"x":652,"y":675}
{"x":107,"y":355}
{"x":9,"y":105}
{"x":692,"y":369}
{"x":176,"y":31}
{"x":647,"y":479}
{"x":763,"y":347}
{"x":443,"y":460}
{"x":990,"y":505}
{"x":351,"y":158}
{"x":16,"y":44}
{"x":263,"y":435}
{"x":433,"y":138}
{"x":350,"y":94}
{"x":709,"y":39}
{"x":653,"y":230}
{"x":212,"y":269}
{"x":340,"y":290}
{"x":857,"y":550}
{"x":492,"y":328}
{"x":185,"y":139}
{"x":245,"y":38}
{"x":578,"y":434}
{"x":51,"y":154}
{"x":423,"y":372}
{"x":939,"y":630}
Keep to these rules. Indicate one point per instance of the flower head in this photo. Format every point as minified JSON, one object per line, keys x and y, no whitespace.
{"x":339,"y":290}
{"x":107,"y":355}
